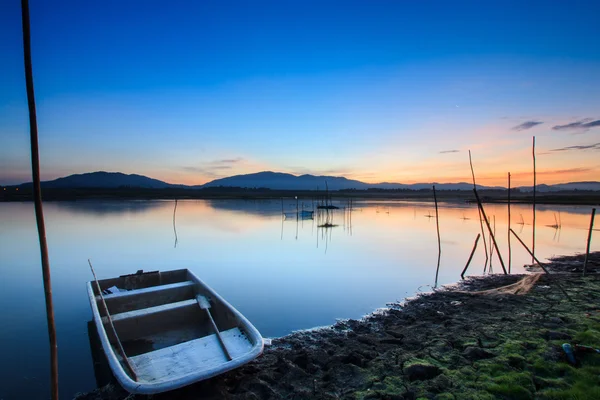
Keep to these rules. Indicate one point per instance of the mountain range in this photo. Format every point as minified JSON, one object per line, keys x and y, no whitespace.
{"x":275,"y":181}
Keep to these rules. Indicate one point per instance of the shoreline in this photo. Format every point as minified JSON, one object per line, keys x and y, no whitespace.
{"x":590,"y":198}
{"x":446,"y":344}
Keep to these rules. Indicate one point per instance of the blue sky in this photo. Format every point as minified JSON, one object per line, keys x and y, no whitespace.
{"x":378,"y":91}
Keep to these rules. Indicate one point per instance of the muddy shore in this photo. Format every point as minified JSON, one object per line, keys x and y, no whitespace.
{"x":449,"y":344}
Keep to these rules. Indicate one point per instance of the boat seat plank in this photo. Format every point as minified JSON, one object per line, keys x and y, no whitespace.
{"x":189,"y":357}
{"x":150,"y":311}
{"x":150,"y":289}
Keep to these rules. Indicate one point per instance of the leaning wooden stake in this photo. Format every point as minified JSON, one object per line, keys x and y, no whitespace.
{"x":37,"y":197}
{"x":539,"y":263}
{"x":490,"y":231}
{"x":112,"y":326}
{"x":437,"y":222}
{"x":509,"y":249}
{"x":479,"y":211}
{"x":589,"y":239}
{"x":462,"y":274}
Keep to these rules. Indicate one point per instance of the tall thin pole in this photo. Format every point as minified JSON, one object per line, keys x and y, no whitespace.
{"x":589,"y":239}
{"x":508,"y":232}
{"x":37,"y":197}
{"x":534,"y":190}
{"x":437,"y":223}
{"x":490,"y":231}
{"x":479,"y":210}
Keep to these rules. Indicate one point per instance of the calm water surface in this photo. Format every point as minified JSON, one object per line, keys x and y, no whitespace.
{"x":281,"y":274}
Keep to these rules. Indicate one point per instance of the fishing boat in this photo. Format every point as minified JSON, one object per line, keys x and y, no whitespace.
{"x":302,"y":214}
{"x":166,"y":330}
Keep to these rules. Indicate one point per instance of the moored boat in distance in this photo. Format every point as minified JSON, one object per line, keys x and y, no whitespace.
{"x":174,"y":329}
{"x":303,"y":214}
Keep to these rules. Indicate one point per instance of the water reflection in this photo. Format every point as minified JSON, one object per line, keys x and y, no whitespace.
{"x":282,"y":275}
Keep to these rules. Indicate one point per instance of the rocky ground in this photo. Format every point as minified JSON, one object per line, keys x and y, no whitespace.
{"x":450,"y":344}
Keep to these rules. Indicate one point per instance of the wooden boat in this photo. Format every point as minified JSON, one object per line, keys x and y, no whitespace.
{"x":164,"y":321}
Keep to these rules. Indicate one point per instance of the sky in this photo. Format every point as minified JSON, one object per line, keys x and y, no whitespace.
{"x":395,"y":91}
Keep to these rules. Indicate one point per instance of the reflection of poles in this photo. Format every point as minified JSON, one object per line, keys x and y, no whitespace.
{"x":37,"y":197}
{"x":437,"y":223}
{"x":480,"y":223}
{"x":587,"y":250}
{"x":174,"y":228}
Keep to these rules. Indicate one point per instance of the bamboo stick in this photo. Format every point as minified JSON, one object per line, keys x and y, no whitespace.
{"x":174,"y":227}
{"x":112,"y":326}
{"x":530,"y":252}
{"x":479,"y":211}
{"x":490,"y":231}
{"x":534,"y":190}
{"x":37,"y":197}
{"x":589,"y":239}
{"x":437,"y":223}
{"x":508,"y":232}
{"x":462,"y":274}
{"x":539,"y":263}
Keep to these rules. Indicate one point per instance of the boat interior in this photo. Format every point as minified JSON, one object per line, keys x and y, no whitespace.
{"x":157,"y":313}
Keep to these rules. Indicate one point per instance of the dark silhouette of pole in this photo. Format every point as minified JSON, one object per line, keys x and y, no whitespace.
{"x":37,"y":198}
{"x":534,"y":190}
{"x":462,"y":274}
{"x":479,"y":211}
{"x":539,"y":263}
{"x":589,"y":239}
{"x":490,"y":231}
{"x":509,"y":248}
{"x":437,"y":223}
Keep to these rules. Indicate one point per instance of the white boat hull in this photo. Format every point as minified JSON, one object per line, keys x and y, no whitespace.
{"x":166,"y":334}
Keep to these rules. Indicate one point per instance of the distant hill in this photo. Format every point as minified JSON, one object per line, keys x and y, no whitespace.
{"x":104,"y":180}
{"x":282,"y":181}
{"x":278,"y":181}
{"x":594,"y":186}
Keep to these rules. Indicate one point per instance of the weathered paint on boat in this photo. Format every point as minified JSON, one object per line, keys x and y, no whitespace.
{"x":165,"y":333}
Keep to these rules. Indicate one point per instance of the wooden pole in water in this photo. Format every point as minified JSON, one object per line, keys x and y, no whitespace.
{"x":37,"y":198}
{"x":479,"y":210}
{"x":534,"y":190}
{"x":508,"y":232}
{"x":490,"y":231}
{"x":112,"y":326}
{"x":174,"y":227}
{"x":462,"y":274}
{"x":437,"y":223}
{"x":589,"y":239}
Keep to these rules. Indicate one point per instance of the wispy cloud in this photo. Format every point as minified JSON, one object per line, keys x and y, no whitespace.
{"x":212,"y":168}
{"x":595,"y":146}
{"x":449,"y":151}
{"x":582,"y":125}
{"x":526,"y":125}
{"x":555,"y":171}
{"x":229,"y":160}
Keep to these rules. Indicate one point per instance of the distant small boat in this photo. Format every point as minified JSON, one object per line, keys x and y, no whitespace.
{"x":303,"y":214}
{"x":328,"y":207}
{"x":174,"y":329}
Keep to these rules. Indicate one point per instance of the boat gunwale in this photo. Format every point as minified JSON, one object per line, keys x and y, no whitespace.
{"x":157,"y":387}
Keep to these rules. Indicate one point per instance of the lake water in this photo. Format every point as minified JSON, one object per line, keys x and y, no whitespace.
{"x":283,"y":275}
